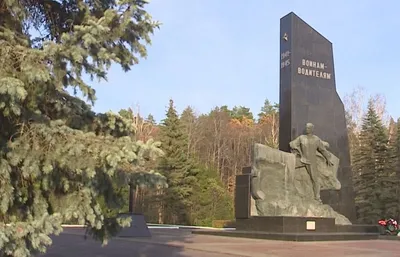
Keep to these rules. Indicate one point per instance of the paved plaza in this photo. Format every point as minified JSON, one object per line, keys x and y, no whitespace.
{"x":181,"y":243}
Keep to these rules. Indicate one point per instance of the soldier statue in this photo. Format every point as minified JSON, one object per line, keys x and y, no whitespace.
{"x":306,"y":148}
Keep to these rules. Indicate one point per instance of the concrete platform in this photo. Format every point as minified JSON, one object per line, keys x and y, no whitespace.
{"x":181,"y":243}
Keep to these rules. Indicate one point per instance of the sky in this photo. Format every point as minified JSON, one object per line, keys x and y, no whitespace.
{"x":210,"y":53}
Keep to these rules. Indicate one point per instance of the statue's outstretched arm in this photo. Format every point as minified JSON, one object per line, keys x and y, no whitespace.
{"x":295,"y":145}
{"x":322,"y":149}
{"x":325,"y":144}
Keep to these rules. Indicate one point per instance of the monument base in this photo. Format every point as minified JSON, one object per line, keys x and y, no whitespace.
{"x":296,"y":229}
{"x":301,"y":237}
{"x":138,"y":226}
{"x":294,"y":224}
{"x":286,"y":224}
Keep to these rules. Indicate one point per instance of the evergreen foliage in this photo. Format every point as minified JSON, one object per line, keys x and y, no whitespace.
{"x":211,"y":200}
{"x":373,"y":170}
{"x":396,"y":165}
{"x":177,"y":167}
{"x":268,"y":109}
{"x":58,"y":159}
{"x":188,"y":118}
{"x":390,"y":180}
{"x":241,"y":112}
{"x":393,"y":207}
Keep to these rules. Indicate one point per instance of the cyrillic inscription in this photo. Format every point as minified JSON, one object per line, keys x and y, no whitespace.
{"x":313,"y":69}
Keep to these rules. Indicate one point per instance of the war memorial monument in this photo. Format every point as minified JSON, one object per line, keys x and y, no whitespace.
{"x":304,"y":190}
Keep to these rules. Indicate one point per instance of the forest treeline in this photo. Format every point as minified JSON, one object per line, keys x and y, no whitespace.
{"x":219,"y":144}
{"x":215,"y":146}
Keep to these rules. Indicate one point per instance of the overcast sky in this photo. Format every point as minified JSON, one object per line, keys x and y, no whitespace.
{"x":215,"y":52}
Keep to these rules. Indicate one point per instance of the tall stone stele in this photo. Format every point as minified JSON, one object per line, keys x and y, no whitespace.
{"x":308,"y":94}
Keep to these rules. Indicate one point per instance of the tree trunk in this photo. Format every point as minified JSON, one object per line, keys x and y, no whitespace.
{"x":132,"y":198}
{"x":160,"y":209}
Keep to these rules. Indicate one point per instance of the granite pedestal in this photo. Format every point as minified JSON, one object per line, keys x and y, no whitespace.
{"x":296,"y":229}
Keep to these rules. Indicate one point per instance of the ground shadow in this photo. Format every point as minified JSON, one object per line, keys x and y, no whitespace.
{"x":165,"y":242}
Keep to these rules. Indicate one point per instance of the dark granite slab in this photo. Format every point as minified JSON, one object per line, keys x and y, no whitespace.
{"x":286,"y":224}
{"x":242,"y":196}
{"x":358,"y":228}
{"x":291,"y":236}
{"x":308,"y":94}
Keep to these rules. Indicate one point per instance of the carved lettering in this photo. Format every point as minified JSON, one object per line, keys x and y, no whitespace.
{"x":285,"y":63}
{"x":313,"y":64}
{"x":313,"y":69}
{"x":314,"y":73}
{"x":285,"y":55}
{"x":285,"y":59}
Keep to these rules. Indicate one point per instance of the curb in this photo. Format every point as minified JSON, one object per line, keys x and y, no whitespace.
{"x":73,"y":226}
{"x":158,"y":226}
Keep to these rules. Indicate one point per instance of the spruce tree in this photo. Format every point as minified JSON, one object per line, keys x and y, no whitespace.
{"x":391,"y":180}
{"x":397,"y":166}
{"x":188,"y":118}
{"x":241,"y":112}
{"x":268,"y":109}
{"x":189,"y":123}
{"x":176,"y":166}
{"x":150,"y":119}
{"x":211,"y":200}
{"x":57,"y":157}
{"x":371,"y":168}
{"x":394,"y":206}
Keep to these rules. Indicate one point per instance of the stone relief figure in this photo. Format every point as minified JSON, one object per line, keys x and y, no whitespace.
{"x":289,"y":184}
{"x":306,"y":148}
